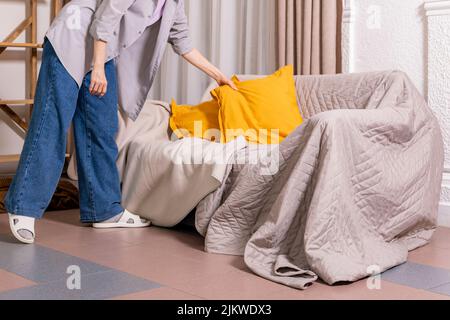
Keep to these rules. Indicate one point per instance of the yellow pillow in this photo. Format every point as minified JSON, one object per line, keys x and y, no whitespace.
{"x":264,"y":110}
{"x":196,"y":121}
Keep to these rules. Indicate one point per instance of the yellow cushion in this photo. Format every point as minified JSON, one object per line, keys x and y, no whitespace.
{"x":264,"y":110}
{"x":196,"y":121}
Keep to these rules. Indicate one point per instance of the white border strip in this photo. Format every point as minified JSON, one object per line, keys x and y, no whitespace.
{"x":446,"y":179}
{"x":348,"y":21}
{"x":444,"y":207}
{"x":348,"y":14}
{"x":444,"y":214}
{"x":437,"y":8}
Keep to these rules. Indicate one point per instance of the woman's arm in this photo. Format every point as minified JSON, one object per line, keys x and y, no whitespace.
{"x":181,"y":42}
{"x":99,"y":84}
{"x":195,"y":58}
{"x":106,"y":19}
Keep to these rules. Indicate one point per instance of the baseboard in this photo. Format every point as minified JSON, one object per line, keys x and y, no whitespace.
{"x":444,"y":214}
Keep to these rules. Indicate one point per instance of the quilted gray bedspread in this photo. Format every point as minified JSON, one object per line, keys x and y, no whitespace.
{"x":357,"y":187}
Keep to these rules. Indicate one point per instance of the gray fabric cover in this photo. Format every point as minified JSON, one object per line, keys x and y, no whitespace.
{"x":358,"y":185}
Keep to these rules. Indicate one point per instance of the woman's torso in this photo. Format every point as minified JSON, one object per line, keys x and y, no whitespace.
{"x":69,"y":33}
{"x":137,"y":45}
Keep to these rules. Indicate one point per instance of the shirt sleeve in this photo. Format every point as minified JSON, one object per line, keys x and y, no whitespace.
{"x":179,"y":36}
{"x":107,"y":17}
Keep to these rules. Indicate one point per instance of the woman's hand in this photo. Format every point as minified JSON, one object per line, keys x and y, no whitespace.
{"x":99,"y":84}
{"x":195,"y":58}
{"x":224,"y":81}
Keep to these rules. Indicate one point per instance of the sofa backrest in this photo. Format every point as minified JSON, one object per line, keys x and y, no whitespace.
{"x":320,"y":93}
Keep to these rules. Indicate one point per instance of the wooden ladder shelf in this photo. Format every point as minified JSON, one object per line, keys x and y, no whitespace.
{"x":29,"y":26}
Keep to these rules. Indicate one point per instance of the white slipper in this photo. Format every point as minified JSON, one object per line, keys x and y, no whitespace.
{"x":17,"y":223}
{"x":128,"y":220}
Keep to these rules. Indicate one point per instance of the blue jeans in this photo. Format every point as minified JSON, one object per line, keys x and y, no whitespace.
{"x":58,"y":102}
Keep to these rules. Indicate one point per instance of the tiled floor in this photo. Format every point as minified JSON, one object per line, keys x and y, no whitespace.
{"x":157,"y":263}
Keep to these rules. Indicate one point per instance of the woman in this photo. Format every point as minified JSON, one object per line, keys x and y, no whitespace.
{"x":97,"y":55}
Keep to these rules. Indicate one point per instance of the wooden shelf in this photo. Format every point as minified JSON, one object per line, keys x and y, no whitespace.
{"x":20,"y":45}
{"x":13,"y":118}
{"x":14,"y":158}
{"x":9,"y":158}
{"x":17,"y":102}
{"x":28,"y":26}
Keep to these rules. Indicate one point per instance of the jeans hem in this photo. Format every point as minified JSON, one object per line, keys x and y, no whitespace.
{"x":95,"y":218}
{"x":31,"y":213}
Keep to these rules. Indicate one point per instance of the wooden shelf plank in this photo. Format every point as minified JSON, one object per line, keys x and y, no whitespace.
{"x":17,"y":102}
{"x":13,"y":116}
{"x":17,"y":31}
{"x":19,"y":45}
{"x":10,"y":158}
{"x":13,"y":158}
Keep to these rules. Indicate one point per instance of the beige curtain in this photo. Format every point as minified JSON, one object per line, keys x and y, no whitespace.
{"x":309,"y":35}
{"x":238,"y":36}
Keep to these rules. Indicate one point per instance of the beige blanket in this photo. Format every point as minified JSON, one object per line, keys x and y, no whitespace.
{"x":358,"y":186}
{"x":164,"y":178}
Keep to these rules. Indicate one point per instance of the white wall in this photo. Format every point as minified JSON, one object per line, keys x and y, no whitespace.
{"x":389,"y":34}
{"x":413,"y":36}
{"x":439,"y":84}
{"x":12,"y":67}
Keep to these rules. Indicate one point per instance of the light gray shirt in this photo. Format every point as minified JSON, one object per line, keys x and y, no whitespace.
{"x":135,"y":41}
